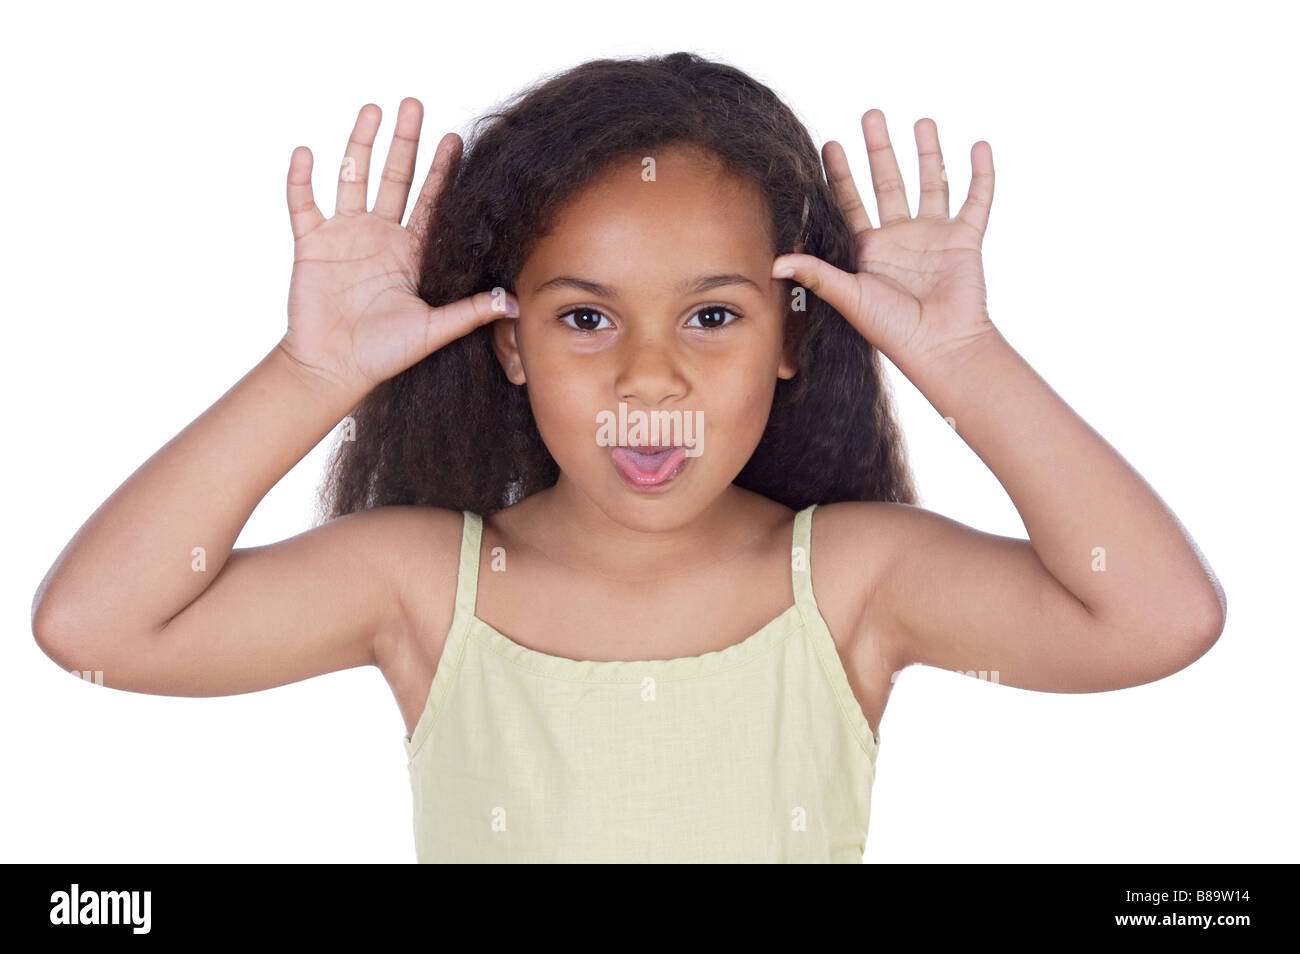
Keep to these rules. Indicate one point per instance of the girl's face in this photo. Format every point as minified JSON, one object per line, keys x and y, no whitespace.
{"x":655,"y":294}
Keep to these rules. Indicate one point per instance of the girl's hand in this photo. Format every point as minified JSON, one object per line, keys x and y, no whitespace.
{"x":918,"y":293}
{"x":354,"y":316}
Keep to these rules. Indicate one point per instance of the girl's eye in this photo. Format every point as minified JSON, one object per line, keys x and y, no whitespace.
{"x":713,"y":310}
{"x":587,"y":320}
{"x":580,"y":324}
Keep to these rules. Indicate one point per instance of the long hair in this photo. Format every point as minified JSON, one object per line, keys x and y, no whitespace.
{"x":452,"y":431}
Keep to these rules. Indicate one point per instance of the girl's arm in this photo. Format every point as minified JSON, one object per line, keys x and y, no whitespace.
{"x":1109,"y":590}
{"x":149,"y":591}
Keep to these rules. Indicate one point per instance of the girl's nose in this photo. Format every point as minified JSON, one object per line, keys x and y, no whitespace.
{"x":651,"y":376}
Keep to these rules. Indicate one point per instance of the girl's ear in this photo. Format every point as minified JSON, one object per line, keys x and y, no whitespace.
{"x":505,"y":343}
{"x":789,"y":365}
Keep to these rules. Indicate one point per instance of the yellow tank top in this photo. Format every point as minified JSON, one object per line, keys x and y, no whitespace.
{"x":758,"y":752}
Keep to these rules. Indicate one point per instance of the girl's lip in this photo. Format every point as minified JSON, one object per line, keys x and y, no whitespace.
{"x":632,"y":466}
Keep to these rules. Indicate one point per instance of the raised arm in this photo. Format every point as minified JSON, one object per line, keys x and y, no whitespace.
{"x":1109,"y":590}
{"x":150,"y":594}
{"x":149,"y":591}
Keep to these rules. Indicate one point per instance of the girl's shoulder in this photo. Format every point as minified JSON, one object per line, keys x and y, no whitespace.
{"x":416,"y":534}
{"x":857,"y":535}
{"x":422,"y":547}
{"x":857,"y":549}
{"x":850,"y":545}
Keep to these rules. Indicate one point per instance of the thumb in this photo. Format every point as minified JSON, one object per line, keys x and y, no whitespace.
{"x":868,"y":302}
{"x":445,"y":323}
{"x":839,"y":289}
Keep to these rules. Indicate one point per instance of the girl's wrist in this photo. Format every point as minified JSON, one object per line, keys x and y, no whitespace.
{"x":337,"y":396}
{"x":942,"y":362}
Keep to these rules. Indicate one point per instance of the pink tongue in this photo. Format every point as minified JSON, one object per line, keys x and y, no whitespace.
{"x":650,"y":461}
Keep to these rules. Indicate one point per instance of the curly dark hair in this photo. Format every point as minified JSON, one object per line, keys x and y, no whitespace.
{"x":451,"y":431}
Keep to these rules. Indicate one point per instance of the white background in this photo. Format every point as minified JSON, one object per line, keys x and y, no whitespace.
{"x":1140,"y":255}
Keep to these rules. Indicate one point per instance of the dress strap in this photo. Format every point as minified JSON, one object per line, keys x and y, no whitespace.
{"x":801,"y":558}
{"x":453,"y":647}
{"x":820,"y":633}
{"x":471,"y":537}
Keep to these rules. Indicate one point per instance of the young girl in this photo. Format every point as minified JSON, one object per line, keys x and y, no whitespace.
{"x":612,"y":641}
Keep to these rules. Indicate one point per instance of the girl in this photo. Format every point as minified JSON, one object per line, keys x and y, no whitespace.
{"x":608,"y":641}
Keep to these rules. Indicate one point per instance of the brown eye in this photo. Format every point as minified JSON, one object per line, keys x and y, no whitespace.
{"x":581,"y":323}
{"x":717,"y":317}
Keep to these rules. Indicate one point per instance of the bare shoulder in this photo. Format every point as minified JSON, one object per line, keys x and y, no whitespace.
{"x":854,"y":544}
{"x":936,"y":592}
{"x":419,"y":549}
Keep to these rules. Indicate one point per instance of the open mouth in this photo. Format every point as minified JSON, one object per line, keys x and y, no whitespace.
{"x":650,"y":465}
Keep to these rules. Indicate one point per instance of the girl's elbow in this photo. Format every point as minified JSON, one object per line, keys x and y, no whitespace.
{"x":1213,"y":617}
{"x":1205,"y":626}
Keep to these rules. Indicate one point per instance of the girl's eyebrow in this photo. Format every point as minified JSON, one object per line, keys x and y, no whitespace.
{"x":702,"y":284}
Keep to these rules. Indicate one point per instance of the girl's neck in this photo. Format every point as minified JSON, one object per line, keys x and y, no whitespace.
{"x":568,"y":528}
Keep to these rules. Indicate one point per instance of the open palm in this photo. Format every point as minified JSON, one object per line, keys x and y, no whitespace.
{"x":918,"y":289}
{"x":355,"y":317}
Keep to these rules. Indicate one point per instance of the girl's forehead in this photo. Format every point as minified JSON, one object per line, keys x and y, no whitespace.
{"x":689,"y":211}
{"x":651,"y":249}
{"x":674,"y":173}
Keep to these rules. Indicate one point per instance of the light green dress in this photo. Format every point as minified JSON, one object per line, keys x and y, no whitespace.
{"x":755,"y":753}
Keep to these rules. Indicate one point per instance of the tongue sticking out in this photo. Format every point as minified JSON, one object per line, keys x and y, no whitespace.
{"x":649,"y":461}
{"x":649,"y":466}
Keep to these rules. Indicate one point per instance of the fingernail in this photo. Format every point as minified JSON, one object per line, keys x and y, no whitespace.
{"x":783,"y":271}
{"x":512,"y":308}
